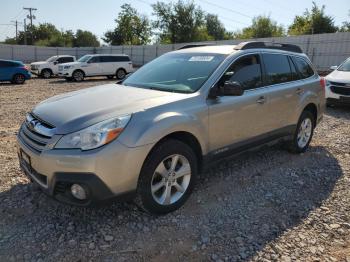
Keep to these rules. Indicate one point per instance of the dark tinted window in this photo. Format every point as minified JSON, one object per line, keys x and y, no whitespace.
{"x":277,"y":68}
{"x":8,"y":64}
{"x":115,"y":59}
{"x":62,"y":60}
{"x":294,"y":71}
{"x":246,"y":71}
{"x":303,"y":67}
{"x":95,"y":59}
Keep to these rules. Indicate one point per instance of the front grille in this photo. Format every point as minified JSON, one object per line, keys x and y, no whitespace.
{"x":340,"y":90}
{"x":35,"y":133}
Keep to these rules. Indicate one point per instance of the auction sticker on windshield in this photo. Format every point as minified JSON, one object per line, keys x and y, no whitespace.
{"x":201,"y":58}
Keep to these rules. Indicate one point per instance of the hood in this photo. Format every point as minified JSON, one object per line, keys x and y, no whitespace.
{"x":72,"y":63}
{"x":40,"y":63}
{"x":339,"y":76}
{"x":73,"y":111}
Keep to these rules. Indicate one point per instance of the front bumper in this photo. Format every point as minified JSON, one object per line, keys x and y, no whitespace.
{"x":108,"y":172}
{"x":35,"y":71}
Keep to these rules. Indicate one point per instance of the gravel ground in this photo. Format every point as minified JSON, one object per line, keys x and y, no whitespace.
{"x":262,"y":206}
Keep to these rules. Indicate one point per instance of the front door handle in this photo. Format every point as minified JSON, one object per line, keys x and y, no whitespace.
{"x":261,"y":100}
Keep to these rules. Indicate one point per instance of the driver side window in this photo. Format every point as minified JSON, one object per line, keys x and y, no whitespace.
{"x":246,"y":71}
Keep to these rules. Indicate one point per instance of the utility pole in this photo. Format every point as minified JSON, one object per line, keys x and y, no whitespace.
{"x":30,"y":16}
{"x":16,"y":23}
{"x":25,"y":31}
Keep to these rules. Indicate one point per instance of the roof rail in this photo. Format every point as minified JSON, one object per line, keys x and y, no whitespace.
{"x":268,"y":45}
{"x":192,"y":46}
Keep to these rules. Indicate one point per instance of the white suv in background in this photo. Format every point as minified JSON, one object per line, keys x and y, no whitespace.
{"x":97,"y":65}
{"x":338,"y":84}
{"x":48,"y":68}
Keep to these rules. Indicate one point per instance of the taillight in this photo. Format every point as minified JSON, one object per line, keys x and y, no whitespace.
{"x":25,"y":68}
{"x":323,"y":82}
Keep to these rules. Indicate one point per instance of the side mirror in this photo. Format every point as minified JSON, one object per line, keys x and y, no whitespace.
{"x":232,"y":89}
{"x":333,"y":67}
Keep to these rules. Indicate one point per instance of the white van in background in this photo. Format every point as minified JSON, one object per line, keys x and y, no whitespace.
{"x":109,"y":65}
{"x":48,"y":68}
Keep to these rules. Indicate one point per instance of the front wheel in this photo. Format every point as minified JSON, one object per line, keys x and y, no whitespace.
{"x":303,"y":134}
{"x":18,"y":79}
{"x":46,"y":73}
{"x":121,"y":73}
{"x":78,"y":76}
{"x":167,"y":177}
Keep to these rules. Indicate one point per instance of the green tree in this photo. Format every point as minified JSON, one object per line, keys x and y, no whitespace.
{"x":179,"y":22}
{"x":346,"y":26}
{"x":313,"y":21}
{"x":214,"y":27}
{"x":262,"y":26}
{"x":85,"y":38}
{"x":132,"y":28}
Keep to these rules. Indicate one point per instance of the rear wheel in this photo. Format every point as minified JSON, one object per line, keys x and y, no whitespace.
{"x":121,"y":73}
{"x":78,"y":75}
{"x":18,"y":79}
{"x":303,"y":134}
{"x":167,"y":177}
{"x":46,"y":73}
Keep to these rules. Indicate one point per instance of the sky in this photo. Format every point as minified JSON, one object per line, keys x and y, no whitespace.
{"x":98,"y":16}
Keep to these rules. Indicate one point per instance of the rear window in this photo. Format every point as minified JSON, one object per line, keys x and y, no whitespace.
{"x":115,"y":59}
{"x":8,"y":64}
{"x":277,"y":68}
{"x":303,"y":67}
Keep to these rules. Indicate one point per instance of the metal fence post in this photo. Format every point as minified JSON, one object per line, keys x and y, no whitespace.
{"x":12,"y":53}
{"x":156,"y":50}
{"x":132,"y":59}
{"x":143,"y":55}
{"x":36,"y":54}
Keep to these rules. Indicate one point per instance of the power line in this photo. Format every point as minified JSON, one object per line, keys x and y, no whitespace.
{"x":225,"y":8}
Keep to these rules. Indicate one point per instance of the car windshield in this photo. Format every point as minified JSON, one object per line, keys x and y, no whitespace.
{"x":51,"y":59}
{"x":345,"y":66}
{"x":84,"y":58}
{"x":176,"y":72}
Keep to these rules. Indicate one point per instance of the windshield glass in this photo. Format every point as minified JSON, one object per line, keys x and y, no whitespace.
{"x":182,"y":73}
{"x":345,"y":66}
{"x":84,"y":58}
{"x":51,"y":59}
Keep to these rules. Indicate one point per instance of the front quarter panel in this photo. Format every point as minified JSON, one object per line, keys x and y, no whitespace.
{"x":150,"y":126}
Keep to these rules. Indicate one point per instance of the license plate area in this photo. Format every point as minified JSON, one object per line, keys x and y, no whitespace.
{"x":24,"y":160}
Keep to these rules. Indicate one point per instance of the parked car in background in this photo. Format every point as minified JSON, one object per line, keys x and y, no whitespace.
{"x":14,"y":71}
{"x":97,"y":65}
{"x":338,"y":84}
{"x":150,"y":136}
{"x":48,"y":68}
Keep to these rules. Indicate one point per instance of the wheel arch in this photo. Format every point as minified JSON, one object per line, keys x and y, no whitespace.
{"x":186,"y":138}
{"x":312,"y":108}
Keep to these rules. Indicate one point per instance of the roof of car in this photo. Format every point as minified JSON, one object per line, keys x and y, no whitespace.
{"x":215,"y":49}
{"x":107,"y":54}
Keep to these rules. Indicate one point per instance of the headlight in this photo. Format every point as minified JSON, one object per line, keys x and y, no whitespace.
{"x":67,"y":67}
{"x":94,"y":136}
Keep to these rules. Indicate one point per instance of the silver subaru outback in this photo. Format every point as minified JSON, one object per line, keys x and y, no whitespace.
{"x":148,"y":137}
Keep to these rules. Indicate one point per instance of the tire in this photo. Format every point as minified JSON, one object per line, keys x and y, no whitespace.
{"x":78,"y":75}
{"x":18,"y":79}
{"x":121,"y":73}
{"x":160,"y":159}
{"x":110,"y":77}
{"x":46,"y":73}
{"x":303,"y":133}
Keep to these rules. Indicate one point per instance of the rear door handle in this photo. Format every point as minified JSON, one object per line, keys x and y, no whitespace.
{"x":261,"y":100}
{"x":299,"y":91}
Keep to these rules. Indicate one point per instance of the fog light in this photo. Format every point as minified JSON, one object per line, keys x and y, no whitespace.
{"x":78,"y":191}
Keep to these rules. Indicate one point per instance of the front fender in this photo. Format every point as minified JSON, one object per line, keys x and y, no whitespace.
{"x":142,"y":131}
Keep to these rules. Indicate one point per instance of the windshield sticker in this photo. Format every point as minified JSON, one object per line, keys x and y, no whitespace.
{"x":201,"y":58}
